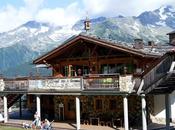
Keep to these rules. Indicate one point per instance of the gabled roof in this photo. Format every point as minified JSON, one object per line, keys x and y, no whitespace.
{"x":173,"y":32}
{"x":107,"y":43}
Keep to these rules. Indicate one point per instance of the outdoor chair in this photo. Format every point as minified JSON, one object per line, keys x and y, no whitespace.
{"x":109,"y":123}
{"x":102,"y":120}
{"x":1,"y":118}
{"x":116,"y":122}
{"x":85,"y":118}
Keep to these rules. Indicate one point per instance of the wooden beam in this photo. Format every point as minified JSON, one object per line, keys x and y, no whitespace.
{"x":74,"y":63}
{"x":93,"y":50}
{"x":114,"y":60}
{"x":109,"y":52}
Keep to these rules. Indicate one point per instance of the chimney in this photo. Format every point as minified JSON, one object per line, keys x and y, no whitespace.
{"x":151,"y":43}
{"x":138,"y":44}
{"x":171,"y":37}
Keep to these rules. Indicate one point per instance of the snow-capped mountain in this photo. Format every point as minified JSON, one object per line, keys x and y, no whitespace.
{"x":164,"y":16}
{"x":21,"y":45}
{"x":149,"y":25}
{"x":36,"y":36}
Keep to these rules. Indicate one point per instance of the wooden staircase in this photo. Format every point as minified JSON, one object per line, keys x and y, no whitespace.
{"x":11,"y":99}
{"x":157,"y":80}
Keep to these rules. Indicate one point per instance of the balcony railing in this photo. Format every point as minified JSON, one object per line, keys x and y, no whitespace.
{"x":55,"y":84}
{"x":18,"y":85}
{"x":102,"y":81}
{"x":87,"y":82}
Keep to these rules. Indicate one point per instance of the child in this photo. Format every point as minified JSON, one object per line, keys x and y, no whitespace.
{"x":26,"y":125}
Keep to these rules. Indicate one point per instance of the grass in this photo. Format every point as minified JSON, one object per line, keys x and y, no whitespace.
{"x":9,"y":128}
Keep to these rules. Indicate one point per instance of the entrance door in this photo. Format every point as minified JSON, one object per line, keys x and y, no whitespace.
{"x":61,"y":112}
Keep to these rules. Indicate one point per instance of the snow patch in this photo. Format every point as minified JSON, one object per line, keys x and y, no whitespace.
{"x":136,"y":27}
{"x":33,"y":30}
{"x":162,"y":16}
{"x":172,"y":10}
{"x":43,"y":29}
{"x":161,"y":23}
{"x":63,"y":32}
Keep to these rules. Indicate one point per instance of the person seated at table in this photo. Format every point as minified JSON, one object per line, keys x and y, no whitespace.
{"x":79,"y":72}
{"x":45,"y":124}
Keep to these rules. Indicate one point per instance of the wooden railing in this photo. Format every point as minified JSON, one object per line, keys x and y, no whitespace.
{"x":42,"y":84}
{"x":158,"y":72}
{"x":87,"y":82}
{"x":101,"y":81}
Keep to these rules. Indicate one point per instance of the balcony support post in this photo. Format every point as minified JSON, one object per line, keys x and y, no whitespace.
{"x":38,"y":105}
{"x":20,"y":107}
{"x":144,"y":121}
{"x":5,"y":109}
{"x":167,"y":109}
{"x":78,"y":113}
{"x":125,"y":105}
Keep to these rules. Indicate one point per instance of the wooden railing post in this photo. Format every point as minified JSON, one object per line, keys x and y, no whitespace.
{"x":2,"y":84}
{"x":82,"y":83}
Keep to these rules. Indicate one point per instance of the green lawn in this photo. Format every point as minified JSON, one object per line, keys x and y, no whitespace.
{"x":9,"y":128}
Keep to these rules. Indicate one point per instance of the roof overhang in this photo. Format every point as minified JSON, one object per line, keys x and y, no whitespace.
{"x":95,"y":40}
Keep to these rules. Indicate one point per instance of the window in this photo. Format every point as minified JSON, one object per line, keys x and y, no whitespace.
{"x":99,"y":104}
{"x":130,"y":68}
{"x":104,"y":69}
{"x":108,"y":68}
{"x":112,"y":104}
{"x":65,"y":70}
{"x":112,"y":68}
{"x":119,"y":68}
{"x":71,"y":105}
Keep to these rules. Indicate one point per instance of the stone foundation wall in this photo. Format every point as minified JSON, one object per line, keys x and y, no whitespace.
{"x":88,"y":106}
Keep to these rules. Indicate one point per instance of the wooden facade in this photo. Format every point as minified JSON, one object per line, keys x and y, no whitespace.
{"x":87,"y":55}
{"x":94,"y":58}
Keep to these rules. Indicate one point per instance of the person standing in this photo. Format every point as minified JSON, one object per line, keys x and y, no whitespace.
{"x":36,"y":120}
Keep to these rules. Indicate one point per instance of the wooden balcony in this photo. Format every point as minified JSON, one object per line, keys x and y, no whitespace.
{"x":86,"y":83}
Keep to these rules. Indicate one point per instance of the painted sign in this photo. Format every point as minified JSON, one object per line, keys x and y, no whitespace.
{"x":68,"y":83}
{"x":16,"y":85}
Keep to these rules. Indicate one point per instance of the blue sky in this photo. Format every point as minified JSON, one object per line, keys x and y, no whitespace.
{"x":46,"y":3}
{"x":13,"y":13}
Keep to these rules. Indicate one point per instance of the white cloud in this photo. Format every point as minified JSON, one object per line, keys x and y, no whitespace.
{"x":33,"y":5}
{"x":60,"y":16}
{"x":11,"y":17}
{"x":124,"y":7}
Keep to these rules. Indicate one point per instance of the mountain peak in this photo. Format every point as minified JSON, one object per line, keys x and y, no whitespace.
{"x":35,"y":24}
{"x":163,"y":16}
{"x":167,"y":8}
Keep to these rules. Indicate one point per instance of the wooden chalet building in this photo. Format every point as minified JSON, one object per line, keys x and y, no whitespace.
{"x":97,"y":81}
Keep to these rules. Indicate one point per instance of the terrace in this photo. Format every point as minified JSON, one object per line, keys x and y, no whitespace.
{"x":106,"y":82}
